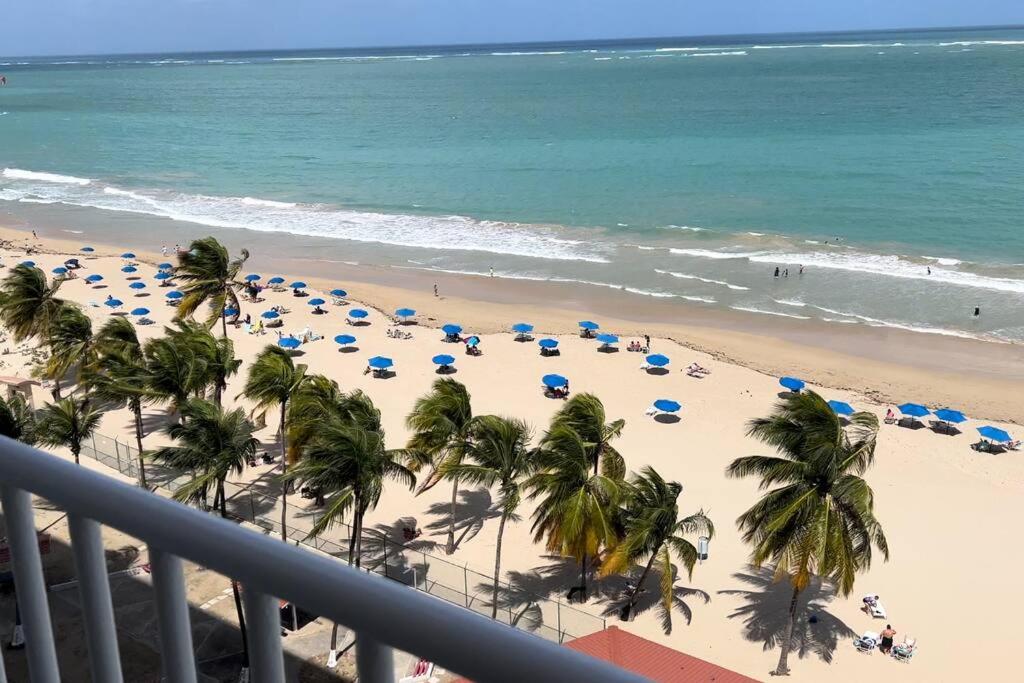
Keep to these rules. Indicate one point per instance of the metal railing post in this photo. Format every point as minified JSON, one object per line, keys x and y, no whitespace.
{"x":374,"y":662}
{"x":30,"y":586}
{"x":172,"y":612}
{"x":465,"y":583}
{"x":94,"y":588}
{"x":117,"y":454}
{"x":263,"y":621}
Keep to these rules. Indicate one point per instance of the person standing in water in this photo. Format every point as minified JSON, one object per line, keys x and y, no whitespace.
{"x":977,"y":311}
{"x":776,"y":271}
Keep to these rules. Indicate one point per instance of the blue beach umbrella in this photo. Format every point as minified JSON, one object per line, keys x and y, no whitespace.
{"x":30,"y":264}
{"x":452,"y":328}
{"x":554,"y":381}
{"x":129,"y":269}
{"x":443,"y":359}
{"x":163,"y":275}
{"x":380,"y":362}
{"x":405,"y":312}
{"x":59,"y":270}
{"x":113,"y":303}
{"x":96,"y":277}
{"x":316,"y":302}
{"x":340,"y":293}
{"x":275,"y":280}
{"x":841,"y":408}
{"x":252,"y":277}
{"x":548,"y":343}
{"x":289,"y":343}
{"x":357,"y":313}
{"x":657,"y":360}
{"x":137,"y":285}
{"x":166,"y":266}
{"x":792,"y":383}
{"x":994,"y":434}
{"x":297,"y":285}
{"x":270,"y":315}
{"x":522,"y":328}
{"x":951,"y":416}
{"x":589,"y":325}
{"x":228,"y":312}
{"x":345,"y":339}
{"x":913,"y":410}
{"x":607,"y":339}
{"x":667,"y":405}
{"x":473,"y":341}
{"x":140,"y":311}
{"x":127,"y":254}
{"x":88,"y":250}
{"x":174,"y":295}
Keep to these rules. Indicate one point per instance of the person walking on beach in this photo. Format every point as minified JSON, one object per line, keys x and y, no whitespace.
{"x":435,"y":289}
{"x":492,"y":271}
{"x":977,"y":311}
{"x":163,"y":249}
{"x":801,"y":269}
{"x":34,"y":235}
{"x":776,"y":271}
{"x":785,"y":273}
{"x":647,"y":342}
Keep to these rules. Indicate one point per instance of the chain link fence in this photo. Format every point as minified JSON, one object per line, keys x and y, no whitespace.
{"x":383,"y":550}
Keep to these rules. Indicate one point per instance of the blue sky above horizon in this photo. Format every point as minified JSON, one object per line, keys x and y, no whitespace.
{"x":46,"y":27}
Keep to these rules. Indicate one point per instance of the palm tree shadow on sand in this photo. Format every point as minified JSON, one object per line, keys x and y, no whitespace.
{"x":765,"y":614}
{"x":472,"y":509}
{"x":616,"y":597}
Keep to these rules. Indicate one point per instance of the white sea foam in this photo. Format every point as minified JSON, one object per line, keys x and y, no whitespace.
{"x":922,"y":329}
{"x":21,"y":174}
{"x":602,"y":59}
{"x":527,"y":54}
{"x":778,"y":47}
{"x":417,"y":231}
{"x":790,"y":302}
{"x":943,"y":261}
{"x":691,"y":228}
{"x":966,"y":43}
{"x":751,"y":309}
{"x":860,"y":262}
{"x":731,"y":53}
{"x":688,"y":276}
{"x":677,"y":49}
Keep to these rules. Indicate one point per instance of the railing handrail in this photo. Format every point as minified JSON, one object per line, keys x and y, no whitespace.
{"x":457,"y":639}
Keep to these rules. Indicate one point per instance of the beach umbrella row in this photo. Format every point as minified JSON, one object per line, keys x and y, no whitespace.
{"x":666,"y":405}
{"x":522,"y":328}
{"x":548,"y":343}
{"x":174,"y":295}
{"x":792,"y":383}
{"x":554,"y":381}
{"x":340,"y":293}
{"x":452,"y":329}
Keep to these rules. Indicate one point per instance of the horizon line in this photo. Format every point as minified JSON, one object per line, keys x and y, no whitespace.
{"x":566,"y":41}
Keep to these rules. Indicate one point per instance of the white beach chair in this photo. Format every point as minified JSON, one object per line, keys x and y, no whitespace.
{"x":421,"y":673}
{"x":904,"y":652}
{"x":651,"y":411}
{"x":867,"y":642}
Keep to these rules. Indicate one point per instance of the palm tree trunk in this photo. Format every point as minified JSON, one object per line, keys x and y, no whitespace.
{"x":284,"y":472}
{"x":137,"y":409}
{"x":497,"y":566}
{"x":76,"y":448}
{"x":783,"y":668}
{"x":56,"y":388}
{"x":450,"y":547}
{"x":359,"y":538}
{"x":634,"y":596}
{"x":235,"y":593}
{"x":224,"y":324}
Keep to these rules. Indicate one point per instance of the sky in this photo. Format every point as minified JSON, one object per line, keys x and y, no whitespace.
{"x":48,"y":27}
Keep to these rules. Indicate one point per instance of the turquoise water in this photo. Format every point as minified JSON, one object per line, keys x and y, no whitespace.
{"x":684,"y":169}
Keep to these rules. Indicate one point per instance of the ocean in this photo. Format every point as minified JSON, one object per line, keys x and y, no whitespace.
{"x":888,"y":166}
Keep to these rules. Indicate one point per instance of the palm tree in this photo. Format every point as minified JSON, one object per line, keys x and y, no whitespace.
{"x":652,"y":529}
{"x":273,"y":379}
{"x":576,"y":515}
{"x":212,"y":443}
{"x":500,"y":456}
{"x":28,"y":303}
{"x":67,"y":422}
{"x":209,"y":275}
{"x":441,"y":422}
{"x":584,"y":414}
{"x":819,"y":520}
{"x":17,"y":421}
{"x":348,"y":462}
{"x":71,"y":344}
{"x":121,"y":377}
{"x":176,"y":371}
{"x":218,"y":355}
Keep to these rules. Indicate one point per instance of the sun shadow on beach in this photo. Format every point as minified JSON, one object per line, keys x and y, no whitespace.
{"x":657,"y":371}
{"x":348,"y":349}
{"x":617,"y":591}
{"x":765,"y":614}
{"x":472,"y":509}
{"x":667,"y":419}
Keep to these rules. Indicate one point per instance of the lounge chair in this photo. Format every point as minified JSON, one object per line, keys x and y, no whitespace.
{"x":144,"y":321}
{"x":651,"y":411}
{"x":423,"y":671}
{"x":867,"y":642}
{"x":904,"y":652}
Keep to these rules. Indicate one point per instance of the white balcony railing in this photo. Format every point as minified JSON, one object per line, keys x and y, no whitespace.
{"x":383,"y":614}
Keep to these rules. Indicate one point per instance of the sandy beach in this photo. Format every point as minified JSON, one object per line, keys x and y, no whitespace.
{"x":941,"y":503}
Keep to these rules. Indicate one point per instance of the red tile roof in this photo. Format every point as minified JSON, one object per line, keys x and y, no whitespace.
{"x":654,"y":661}
{"x":649,"y":659}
